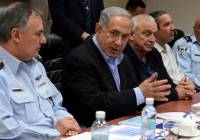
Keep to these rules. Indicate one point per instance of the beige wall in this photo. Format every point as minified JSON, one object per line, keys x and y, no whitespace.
{"x":183,"y":12}
{"x":120,"y":3}
{"x":41,"y":5}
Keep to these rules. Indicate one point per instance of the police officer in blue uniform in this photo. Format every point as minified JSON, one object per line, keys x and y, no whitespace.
{"x":187,"y":53}
{"x":30,"y":105}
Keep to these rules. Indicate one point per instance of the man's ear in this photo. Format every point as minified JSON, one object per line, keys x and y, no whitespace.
{"x":15,"y":34}
{"x":98,"y":28}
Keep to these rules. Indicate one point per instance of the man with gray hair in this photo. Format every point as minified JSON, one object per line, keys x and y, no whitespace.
{"x":30,"y":105}
{"x":97,"y":76}
{"x":145,"y":59}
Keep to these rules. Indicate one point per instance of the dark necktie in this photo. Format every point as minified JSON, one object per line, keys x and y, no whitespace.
{"x":88,"y":20}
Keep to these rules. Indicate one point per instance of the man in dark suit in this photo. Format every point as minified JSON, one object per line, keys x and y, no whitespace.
{"x":145,"y":59}
{"x":97,"y":76}
{"x":70,"y":19}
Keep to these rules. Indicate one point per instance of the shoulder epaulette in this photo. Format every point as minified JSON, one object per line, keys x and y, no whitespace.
{"x":188,"y":38}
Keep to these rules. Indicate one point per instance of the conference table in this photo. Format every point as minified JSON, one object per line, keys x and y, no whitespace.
{"x":172,"y":106}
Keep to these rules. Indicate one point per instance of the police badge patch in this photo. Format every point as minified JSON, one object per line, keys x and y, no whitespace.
{"x":182,"y":49}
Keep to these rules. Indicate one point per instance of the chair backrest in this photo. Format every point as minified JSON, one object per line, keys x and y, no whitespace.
{"x":52,"y":59}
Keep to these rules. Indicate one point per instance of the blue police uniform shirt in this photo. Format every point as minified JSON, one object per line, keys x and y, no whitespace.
{"x":30,"y":105}
{"x":112,"y":63}
{"x":187,"y":53}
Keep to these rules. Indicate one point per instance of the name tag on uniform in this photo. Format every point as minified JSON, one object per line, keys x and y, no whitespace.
{"x":17,"y":89}
{"x":197,"y":55}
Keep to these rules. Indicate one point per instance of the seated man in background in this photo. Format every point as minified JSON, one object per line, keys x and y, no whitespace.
{"x":187,"y":53}
{"x":145,"y":59}
{"x":135,"y":7}
{"x":30,"y":105}
{"x":164,"y":34}
{"x":97,"y":75}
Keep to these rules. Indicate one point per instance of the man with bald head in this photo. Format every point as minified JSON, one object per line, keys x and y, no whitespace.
{"x":187,"y":53}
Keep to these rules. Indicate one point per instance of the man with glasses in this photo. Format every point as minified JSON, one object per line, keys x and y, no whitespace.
{"x":97,"y":76}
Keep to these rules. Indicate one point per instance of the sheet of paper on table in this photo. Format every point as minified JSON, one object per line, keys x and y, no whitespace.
{"x":117,"y":132}
{"x":178,"y":116}
{"x":197,"y":105}
{"x":137,"y":122}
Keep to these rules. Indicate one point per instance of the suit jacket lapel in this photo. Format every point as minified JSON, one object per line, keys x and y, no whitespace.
{"x":101,"y":63}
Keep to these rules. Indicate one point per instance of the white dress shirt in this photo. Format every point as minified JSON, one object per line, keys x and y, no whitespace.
{"x":169,"y":61}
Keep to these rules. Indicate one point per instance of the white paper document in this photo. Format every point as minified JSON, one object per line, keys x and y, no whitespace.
{"x":124,"y":132}
{"x":179,"y":116}
{"x":196,"y":106}
{"x":82,"y":136}
{"x":116,"y":132}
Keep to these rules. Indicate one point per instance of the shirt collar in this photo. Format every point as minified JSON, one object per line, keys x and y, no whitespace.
{"x":12,"y":62}
{"x":161,"y":49}
{"x":109,"y":60}
{"x":158,"y":47}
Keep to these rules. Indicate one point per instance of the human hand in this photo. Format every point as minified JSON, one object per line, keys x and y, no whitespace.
{"x":67,"y":126}
{"x":155,"y":89}
{"x":183,"y":94}
{"x":188,"y":84}
{"x":187,"y":87}
{"x":84,"y":36}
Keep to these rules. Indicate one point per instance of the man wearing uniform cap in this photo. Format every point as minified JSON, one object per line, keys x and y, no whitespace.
{"x":187,"y":53}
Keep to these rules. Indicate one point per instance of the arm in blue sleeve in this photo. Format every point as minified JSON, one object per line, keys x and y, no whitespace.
{"x":60,"y":112}
{"x":185,"y":62}
{"x":139,"y":96}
